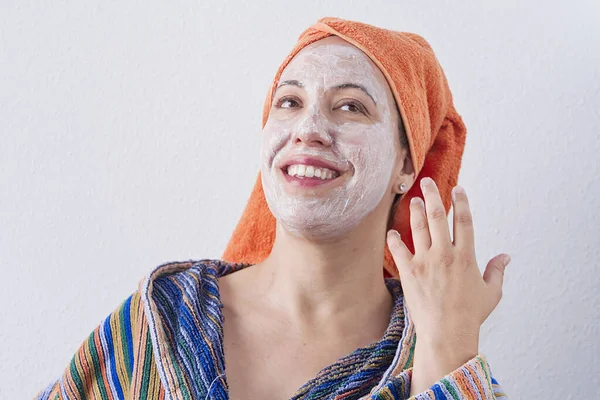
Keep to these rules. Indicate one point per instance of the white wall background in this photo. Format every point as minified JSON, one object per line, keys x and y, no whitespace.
{"x":129,"y":137}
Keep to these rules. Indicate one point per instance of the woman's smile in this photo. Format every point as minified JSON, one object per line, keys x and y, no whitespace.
{"x":300,"y":175}
{"x":310,"y":172}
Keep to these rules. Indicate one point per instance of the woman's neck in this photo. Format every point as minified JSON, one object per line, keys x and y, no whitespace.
{"x":320,"y":281}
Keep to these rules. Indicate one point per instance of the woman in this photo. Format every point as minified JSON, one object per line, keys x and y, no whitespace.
{"x":357,"y":117}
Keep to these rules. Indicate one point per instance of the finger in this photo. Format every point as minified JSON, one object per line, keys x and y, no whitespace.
{"x":419,"y":226}
{"x":398,"y":248}
{"x":494,"y":273}
{"x":402,"y":256}
{"x":436,"y":213}
{"x":462,"y":225}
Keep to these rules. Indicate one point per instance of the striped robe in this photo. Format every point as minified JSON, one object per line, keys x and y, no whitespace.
{"x":166,"y":342}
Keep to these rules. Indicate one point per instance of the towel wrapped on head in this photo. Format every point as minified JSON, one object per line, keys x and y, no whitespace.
{"x":435,"y":132}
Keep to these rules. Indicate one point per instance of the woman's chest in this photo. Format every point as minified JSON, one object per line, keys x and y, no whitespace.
{"x":267,"y":362}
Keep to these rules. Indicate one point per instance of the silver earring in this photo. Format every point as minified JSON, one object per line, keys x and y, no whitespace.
{"x":402,"y":187}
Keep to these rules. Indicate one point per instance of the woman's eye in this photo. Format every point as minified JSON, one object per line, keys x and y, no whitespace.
{"x":352,"y":108}
{"x":287,"y":103}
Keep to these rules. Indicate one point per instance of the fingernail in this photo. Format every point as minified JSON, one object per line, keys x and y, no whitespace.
{"x":393,"y":233}
{"x":417,"y":200}
{"x":457,"y":189}
{"x":427,"y":184}
{"x":506,"y":259}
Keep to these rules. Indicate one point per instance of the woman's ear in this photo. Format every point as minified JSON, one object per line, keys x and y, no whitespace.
{"x":405,"y":177}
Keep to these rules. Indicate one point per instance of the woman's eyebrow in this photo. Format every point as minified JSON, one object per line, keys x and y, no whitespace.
{"x":353,"y":86}
{"x":290,"y":82}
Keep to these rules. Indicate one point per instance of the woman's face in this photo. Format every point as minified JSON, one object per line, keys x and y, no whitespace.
{"x":330,"y":144}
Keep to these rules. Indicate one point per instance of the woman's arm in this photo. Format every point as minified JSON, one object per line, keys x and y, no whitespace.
{"x":106,"y":362}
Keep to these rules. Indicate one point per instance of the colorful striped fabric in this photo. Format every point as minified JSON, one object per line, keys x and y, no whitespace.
{"x":166,"y":342}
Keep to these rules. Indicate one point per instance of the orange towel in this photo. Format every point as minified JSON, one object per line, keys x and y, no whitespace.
{"x":436,"y":133}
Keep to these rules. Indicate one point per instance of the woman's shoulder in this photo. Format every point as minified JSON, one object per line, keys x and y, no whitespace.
{"x":127,"y":343}
{"x":182,"y":268}
{"x":180,"y":286}
{"x":188,"y":272}
{"x":175,"y":279}
{"x":186,"y":268}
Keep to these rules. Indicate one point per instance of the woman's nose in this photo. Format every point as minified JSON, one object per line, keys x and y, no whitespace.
{"x":313,"y":131}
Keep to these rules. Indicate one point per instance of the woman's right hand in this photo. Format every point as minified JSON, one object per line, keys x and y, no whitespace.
{"x":447,"y":297}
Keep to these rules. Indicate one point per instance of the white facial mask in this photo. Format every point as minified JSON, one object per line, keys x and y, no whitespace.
{"x":364,"y":150}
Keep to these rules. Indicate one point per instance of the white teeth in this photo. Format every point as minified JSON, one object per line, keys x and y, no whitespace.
{"x":310,"y":171}
{"x":301,"y":170}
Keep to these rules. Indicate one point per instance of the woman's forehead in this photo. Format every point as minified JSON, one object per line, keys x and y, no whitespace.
{"x":335,"y":61}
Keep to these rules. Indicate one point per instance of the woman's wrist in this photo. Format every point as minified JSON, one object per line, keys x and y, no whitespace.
{"x":436,"y":357}
{"x":448,"y":341}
